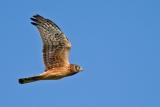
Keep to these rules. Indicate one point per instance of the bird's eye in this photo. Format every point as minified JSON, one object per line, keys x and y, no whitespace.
{"x":77,"y":68}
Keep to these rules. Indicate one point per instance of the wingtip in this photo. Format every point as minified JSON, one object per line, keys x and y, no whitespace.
{"x":33,"y":19}
{"x":37,"y":16}
{"x":36,"y":19}
{"x":33,"y":23}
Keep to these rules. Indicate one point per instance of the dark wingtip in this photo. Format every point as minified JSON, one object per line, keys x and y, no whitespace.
{"x":37,"y":15}
{"x":36,"y":19}
{"x":33,"y":19}
{"x":21,"y":81}
{"x":34,"y":23}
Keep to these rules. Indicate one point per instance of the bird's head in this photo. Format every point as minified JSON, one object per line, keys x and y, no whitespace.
{"x":76,"y":68}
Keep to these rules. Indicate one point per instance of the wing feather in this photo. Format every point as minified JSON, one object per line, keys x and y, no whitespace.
{"x":56,"y":46}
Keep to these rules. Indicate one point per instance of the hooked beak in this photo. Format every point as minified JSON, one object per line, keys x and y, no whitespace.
{"x":81,"y":69}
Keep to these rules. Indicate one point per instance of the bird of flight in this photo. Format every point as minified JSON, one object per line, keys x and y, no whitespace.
{"x":56,"y":49}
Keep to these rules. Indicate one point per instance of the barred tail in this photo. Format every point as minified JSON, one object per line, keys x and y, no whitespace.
{"x":29,"y":79}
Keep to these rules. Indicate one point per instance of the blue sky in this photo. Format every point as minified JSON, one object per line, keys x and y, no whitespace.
{"x":117,"y":42}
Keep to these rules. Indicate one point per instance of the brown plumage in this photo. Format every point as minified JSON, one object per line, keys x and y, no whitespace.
{"x":56,"y":49}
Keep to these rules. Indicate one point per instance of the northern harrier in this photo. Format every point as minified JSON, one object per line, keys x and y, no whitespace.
{"x":56,"y":49}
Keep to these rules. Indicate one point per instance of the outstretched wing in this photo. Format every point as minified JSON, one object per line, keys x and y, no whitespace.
{"x":55,"y":44}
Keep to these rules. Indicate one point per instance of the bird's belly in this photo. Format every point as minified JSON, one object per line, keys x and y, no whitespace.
{"x":55,"y":76}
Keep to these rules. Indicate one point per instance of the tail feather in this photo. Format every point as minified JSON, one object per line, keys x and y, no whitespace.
{"x":29,"y":79}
